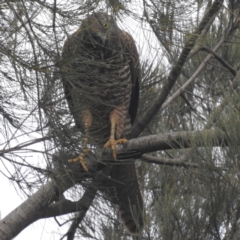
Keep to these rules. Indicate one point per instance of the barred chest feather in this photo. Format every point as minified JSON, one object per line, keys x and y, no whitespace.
{"x":101,"y":77}
{"x":103,"y":73}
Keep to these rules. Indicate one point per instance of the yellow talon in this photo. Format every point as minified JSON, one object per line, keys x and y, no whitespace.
{"x":80,"y":159}
{"x":112,"y":143}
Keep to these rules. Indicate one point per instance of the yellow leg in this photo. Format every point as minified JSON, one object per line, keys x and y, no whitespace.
{"x":80,"y":158}
{"x":112,"y":142}
{"x":87,"y":122}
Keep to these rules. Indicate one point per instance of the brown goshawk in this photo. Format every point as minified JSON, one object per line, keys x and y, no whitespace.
{"x":101,"y":74}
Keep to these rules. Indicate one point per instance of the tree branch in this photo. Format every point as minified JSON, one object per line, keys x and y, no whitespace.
{"x":29,"y":211}
{"x":40,"y":205}
{"x":224,"y":63}
{"x":177,"y":140}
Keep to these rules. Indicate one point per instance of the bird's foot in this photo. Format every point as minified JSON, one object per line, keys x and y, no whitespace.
{"x":112,"y":143}
{"x":80,"y":159}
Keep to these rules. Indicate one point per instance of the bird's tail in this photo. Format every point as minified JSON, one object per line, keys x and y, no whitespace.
{"x":128,"y":196}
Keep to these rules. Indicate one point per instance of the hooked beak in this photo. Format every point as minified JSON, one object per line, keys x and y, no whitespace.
{"x":104,"y":38}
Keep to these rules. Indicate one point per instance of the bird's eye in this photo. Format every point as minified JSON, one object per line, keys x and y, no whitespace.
{"x":105,"y":25}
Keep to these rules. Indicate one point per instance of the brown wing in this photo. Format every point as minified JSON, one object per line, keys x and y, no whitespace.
{"x":134,"y":63}
{"x":68,"y":51}
{"x":67,"y":54}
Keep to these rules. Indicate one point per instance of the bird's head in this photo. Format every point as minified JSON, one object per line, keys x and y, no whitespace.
{"x":100,"y":25}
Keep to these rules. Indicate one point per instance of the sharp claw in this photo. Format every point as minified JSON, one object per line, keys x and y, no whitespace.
{"x":80,"y":159}
{"x":112,"y":143}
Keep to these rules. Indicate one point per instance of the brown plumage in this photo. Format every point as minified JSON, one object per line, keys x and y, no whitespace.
{"x":101,"y":76}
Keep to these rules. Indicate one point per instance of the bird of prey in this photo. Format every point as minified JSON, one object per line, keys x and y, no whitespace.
{"x":101,"y":74}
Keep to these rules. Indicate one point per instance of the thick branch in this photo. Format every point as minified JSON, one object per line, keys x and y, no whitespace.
{"x":177,"y":140}
{"x":41,"y":204}
{"x":175,"y":72}
{"x":28,"y":212}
